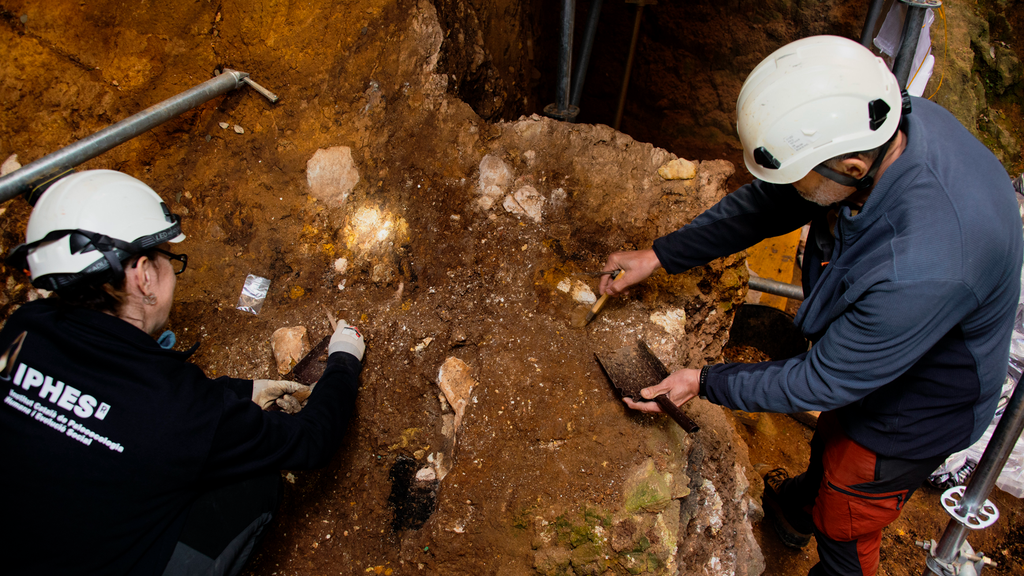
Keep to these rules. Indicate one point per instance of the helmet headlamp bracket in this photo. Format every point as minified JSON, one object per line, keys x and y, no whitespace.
{"x":765,"y":159}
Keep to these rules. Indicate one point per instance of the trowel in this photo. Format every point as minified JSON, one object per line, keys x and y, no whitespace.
{"x":633,"y":368}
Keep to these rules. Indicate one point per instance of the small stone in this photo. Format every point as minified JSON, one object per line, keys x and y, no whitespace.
{"x":495,"y":176}
{"x":341,"y":265}
{"x":582,"y":293}
{"x":239,"y":129}
{"x":224,"y":125}
{"x":422,"y":345}
{"x":455,"y":379}
{"x":289,"y":346}
{"x":678,"y":169}
{"x":9,"y":165}
{"x":565,"y":285}
{"x":527,"y":201}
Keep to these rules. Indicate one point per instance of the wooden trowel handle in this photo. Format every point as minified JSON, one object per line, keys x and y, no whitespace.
{"x":669,"y":407}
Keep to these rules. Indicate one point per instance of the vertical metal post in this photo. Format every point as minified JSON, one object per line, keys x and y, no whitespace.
{"x":565,"y":54}
{"x":983,"y":479}
{"x":585,"y":49}
{"x":908,"y":43}
{"x":561,"y":109}
{"x":870,"y":22}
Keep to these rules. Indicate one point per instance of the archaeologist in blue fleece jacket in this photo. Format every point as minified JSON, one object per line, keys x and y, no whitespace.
{"x":120,"y":456}
{"x":911,"y":275}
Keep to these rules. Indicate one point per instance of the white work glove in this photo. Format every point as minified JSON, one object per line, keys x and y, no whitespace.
{"x":286,"y":395}
{"x":347,"y":338}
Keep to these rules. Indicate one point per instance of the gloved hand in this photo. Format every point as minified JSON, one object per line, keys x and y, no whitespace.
{"x":288,"y":396}
{"x":347,"y":338}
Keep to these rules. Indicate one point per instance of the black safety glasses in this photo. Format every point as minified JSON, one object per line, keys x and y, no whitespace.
{"x":178,"y":261}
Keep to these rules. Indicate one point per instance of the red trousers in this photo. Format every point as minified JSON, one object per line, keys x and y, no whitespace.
{"x":849,"y":494}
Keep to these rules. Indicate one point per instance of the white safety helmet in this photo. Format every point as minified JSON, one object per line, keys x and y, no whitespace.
{"x":812,"y":100}
{"x":87,"y":224}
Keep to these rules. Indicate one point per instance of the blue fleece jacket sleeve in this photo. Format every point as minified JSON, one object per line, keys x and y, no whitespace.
{"x":879,"y":338}
{"x":743,"y":218}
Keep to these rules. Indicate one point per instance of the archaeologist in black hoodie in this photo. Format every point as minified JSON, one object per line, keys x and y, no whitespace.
{"x":120,"y":456}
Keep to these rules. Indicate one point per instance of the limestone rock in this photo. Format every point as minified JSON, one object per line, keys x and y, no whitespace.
{"x":289,"y":345}
{"x":9,"y":165}
{"x":647,"y":489}
{"x":526,"y":201}
{"x":495,"y":177}
{"x":582,"y":293}
{"x":678,"y":169}
{"x":456,"y":381}
{"x":332,"y":175}
{"x":673,"y":321}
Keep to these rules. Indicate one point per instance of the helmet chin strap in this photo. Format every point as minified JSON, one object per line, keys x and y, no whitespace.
{"x":859,"y":183}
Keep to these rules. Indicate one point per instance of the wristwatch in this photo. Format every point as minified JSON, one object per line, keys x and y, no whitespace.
{"x":703,"y":393}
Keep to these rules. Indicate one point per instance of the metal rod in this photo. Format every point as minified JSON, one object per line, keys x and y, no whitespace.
{"x":585,"y":48}
{"x":266,"y":93}
{"x":775,"y":287}
{"x":908,"y":44}
{"x":984,"y":477}
{"x":870,"y":22}
{"x":27,"y":177}
{"x":565,"y":56}
{"x":629,"y":66}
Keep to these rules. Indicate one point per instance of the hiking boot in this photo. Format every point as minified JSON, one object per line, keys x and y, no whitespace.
{"x":772,"y":505}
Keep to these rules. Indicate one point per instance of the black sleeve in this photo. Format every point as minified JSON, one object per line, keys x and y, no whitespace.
{"x":249,"y":440}
{"x":241,"y":387}
{"x":743,"y":218}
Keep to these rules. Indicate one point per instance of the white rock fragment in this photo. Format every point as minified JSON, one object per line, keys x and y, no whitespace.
{"x":565,"y":285}
{"x":672,"y":320}
{"x":426,"y":474}
{"x":239,"y":129}
{"x":341,"y":265}
{"x":9,"y":165}
{"x":289,"y":345}
{"x":422,"y":345}
{"x":559,"y":197}
{"x":224,"y":125}
{"x":582,"y":293}
{"x":495,"y":176}
{"x":456,"y":381}
{"x":710,"y":514}
{"x":526,"y":201}
{"x":332,"y":175}
{"x":678,"y":169}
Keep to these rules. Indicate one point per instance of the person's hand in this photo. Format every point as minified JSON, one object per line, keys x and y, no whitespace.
{"x":681,"y":386}
{"x":347,"y":338}
{"x":637,"y":265}
{"x":287,"y":395}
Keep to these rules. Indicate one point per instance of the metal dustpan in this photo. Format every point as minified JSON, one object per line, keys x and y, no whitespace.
{"x":633,"y":368}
